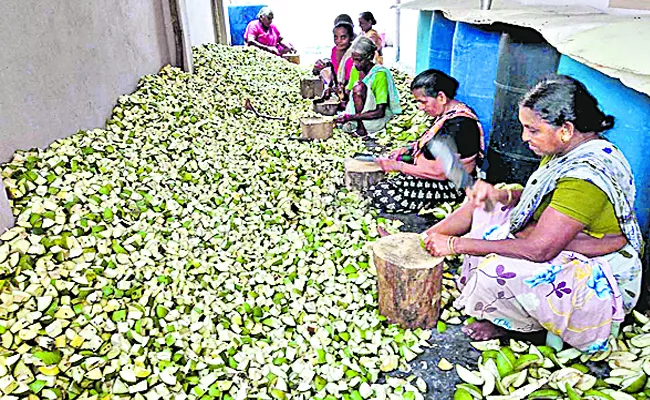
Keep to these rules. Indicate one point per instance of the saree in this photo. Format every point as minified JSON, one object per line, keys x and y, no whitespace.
{"x":393,"y":107}
{"x":340,"y":68}
{"x":407,"y":194}
{"x":576,"y":298}
{"x":271,"y":37}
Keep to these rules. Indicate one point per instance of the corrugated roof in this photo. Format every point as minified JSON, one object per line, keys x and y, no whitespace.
{"x":616,"y":44}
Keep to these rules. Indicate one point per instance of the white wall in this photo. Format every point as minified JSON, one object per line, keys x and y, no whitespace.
{"x":200,"y":18}
{"x":65,"y":63}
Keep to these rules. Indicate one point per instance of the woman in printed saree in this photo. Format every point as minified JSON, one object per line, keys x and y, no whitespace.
{"x":335,"y":71}
{"x":262,"y":34}
{"x":563,"y":253}
{"x":421,"y":182}
{"x":371,"y":95}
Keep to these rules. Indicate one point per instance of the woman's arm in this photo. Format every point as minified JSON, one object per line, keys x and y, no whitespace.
{"x":551,"y":235}
{"x":270,"y":49}
{"x":377,"y":113}
{"x":584,"y":244}
{"x":425,"y":169}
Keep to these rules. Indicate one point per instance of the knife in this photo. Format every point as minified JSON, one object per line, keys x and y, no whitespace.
{"x":443,"y":148}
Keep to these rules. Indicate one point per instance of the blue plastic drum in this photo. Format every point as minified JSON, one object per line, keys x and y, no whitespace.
{"x":238,"y":18}
{"x":474,"y":62}
{"x":631,"y":132}
{"x":441,"y":41}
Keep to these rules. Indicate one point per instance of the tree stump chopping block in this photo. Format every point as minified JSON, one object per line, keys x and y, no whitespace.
{"x":311,"y":88}
{"x":316,"y":128}
{"x":361,"y":175}
{"x":409,"y":281}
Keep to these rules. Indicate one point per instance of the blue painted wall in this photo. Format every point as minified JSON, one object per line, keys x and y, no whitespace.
{"x":441,"y":42}
{"x":424,"y":35}
{"x":238,"y":18}
{"x":474,"y":63}
{"x":631,"y":132}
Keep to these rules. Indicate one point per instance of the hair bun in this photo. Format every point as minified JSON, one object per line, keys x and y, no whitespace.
{"x":608,"y":122}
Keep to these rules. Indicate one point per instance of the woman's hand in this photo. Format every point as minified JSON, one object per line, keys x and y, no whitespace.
{"x":483,"y":193}
{"x":273,"y":50}
{"x":389,"y":165}
{"x":318,"y":67}
{"x":393,"y":155}
{"x":437,"y":244}
{"x":343,"y":118}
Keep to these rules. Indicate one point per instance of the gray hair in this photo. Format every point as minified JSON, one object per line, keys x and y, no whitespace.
{"x":560,"y":98}
{"x":265,"y":12}
{"x":365,"y":47}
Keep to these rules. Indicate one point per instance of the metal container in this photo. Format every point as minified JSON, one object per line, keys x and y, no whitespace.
{"x":326,"y":108}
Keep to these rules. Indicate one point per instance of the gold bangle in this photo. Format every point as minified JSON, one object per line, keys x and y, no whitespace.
{"x":451,"y":246}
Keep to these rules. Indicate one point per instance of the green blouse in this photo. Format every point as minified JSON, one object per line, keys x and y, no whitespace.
{"x":582,"y":201}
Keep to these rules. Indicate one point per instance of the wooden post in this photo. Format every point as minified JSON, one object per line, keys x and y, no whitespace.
{"x":180,"y":27}
{"x":220,"y":35}
{"x":292,"y":58}
{"x":311,"y":87}
{"x":316,"y":128}
{"x":409,"y":281}
{"x":361,"y":175}
{"x":6,"y":216}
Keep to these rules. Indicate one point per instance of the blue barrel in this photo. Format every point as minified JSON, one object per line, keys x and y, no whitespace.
{"x":441,"y":41}
{"x":631,"y":132}
{"x":238,"y":18}
{"x":524,"y":58}
{"x":474,"y":61}
{"x":422,"y":44}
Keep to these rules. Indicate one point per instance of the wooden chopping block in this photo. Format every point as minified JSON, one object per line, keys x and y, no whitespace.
{"x":316,"y":128}
{"x":361,"y":175}
{"x":293,"y":58}
{"x":409,"y":281}
{"x":327,"y":107}
{"x":311,"y":87}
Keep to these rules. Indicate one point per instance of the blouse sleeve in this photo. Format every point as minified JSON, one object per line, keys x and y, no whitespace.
{"x":251,"y":31}
{"x":466,"y":133}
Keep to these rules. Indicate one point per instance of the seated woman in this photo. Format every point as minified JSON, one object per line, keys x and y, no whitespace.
{"x":335,"y":71}
{"x":263,"y":34}
{"x":422,"y":182}
{"x":563,"y":254}
{"x":372,"y":94}
{"x":366,"y":22}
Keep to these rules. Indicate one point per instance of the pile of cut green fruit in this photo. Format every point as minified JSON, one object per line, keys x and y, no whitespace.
{"x":191,"y":250}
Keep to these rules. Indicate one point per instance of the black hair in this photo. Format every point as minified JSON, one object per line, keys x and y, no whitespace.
{"x":367,"y":15}
{"x":560,"y":98}
{"x":434,"y":81}
{"x":343,"y":18}
{"x":348,"y":27}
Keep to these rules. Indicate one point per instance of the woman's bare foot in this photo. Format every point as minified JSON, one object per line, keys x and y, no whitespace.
{"x":483,"y":330}
{"x":382,"y":232}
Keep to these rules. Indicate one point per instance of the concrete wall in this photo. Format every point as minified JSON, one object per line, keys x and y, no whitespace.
{"x":65,"y":63}
{"x":201,"y":21}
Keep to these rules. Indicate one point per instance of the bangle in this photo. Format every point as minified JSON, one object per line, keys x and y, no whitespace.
{"x":509,"y":197}
{"x":451,"y":245}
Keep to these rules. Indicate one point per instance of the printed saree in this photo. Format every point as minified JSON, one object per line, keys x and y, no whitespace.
{"x":578,"y":299}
